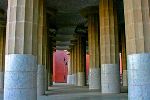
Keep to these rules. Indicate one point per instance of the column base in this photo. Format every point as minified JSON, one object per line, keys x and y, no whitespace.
{"x":125,"y":78}
{"x":110,"y":78}
{"x":81,"y":79}
{"x":40,"y":80}
{"x":94,"y":79}
{"x":20,"y":77}
{"x":70,"y":79}
{"x":1,"y":82}
{"x":138,"y":76}
{"x":74,"y":79}
{"x":46,"y":80}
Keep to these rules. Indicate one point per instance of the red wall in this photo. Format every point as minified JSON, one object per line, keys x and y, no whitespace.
{"x":60,"y":67}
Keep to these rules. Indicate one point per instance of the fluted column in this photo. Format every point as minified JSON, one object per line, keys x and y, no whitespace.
{"x":21,"y":50}
{"x":110,"y":80}
{"x":2,"y":54}
{"x":93,"y":40}
{"x":137,"y":26}
{"x":70,"y":65}
{"x":75,"y":65}
{"x":81,"y":61}
{"x":41,"y":59}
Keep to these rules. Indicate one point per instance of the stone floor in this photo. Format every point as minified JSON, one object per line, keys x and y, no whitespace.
{"x":65,"y":92}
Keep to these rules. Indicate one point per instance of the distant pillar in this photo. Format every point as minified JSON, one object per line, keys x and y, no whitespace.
{"x":75,"y":65}
{"x":124,"y":61}
{"x":137,"y":24}
{"x":93,"y":41}
{"x":69,"y":76}
{"x":110,"y":77}
{"x":81,"y":60}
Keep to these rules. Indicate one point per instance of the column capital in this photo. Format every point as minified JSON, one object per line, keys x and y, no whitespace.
{"x":90,"y":10}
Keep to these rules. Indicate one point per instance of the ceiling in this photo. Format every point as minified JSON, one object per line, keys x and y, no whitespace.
{"x":67,"y":18}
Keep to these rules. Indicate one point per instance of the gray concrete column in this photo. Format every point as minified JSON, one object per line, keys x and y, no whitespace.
{"x":21,"y":50}
{"x":110,"y":79}
{"x":137,"y":26}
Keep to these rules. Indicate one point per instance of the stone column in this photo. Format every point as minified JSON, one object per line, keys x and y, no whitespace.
{"x":2,"y":54}
{"x":41,"y":60}
{"x":72,"y":60}
{"x":110,"y":77}
{"x":137,"y":26}
{"x":81,"y":60}
{"x":69,"y":76}
{"x":75,"y":65}
{"x":124,"y":62}
{"x":93,"y":40}
{"x":21,"y":50}
{"x":50,"y":63}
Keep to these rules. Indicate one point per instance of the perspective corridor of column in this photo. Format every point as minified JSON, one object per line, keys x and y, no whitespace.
{"x":93,"y":42}
{"x":21,"y":50}
{"x":110,"y":77}
{"x":137,"y":26}
{"x":81,"y":74}
{"x":2,"y":53}
{"x":41,"y":58}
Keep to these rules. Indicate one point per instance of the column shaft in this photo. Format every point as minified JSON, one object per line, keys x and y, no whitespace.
{"x":21,"y":50}
{"x":41,"y":64}
{"x":2,"y":55}
{"x":110,"y":79}
{"x":81,"y":69}
{"x":93,"y":40}
{"x":75,"y":65}
{"x":70,"y":66}
{"x":137,"y":23}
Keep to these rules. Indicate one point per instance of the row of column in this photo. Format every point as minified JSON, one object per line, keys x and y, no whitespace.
{"x":77,"y":68}
{"x":103,"y":47}
{"x":137,"y":43}
{"x":28,"y":54}
{"x":21,"y":49}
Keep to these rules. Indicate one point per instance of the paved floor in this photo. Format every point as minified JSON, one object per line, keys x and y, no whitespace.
{"x":65,"y":92}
